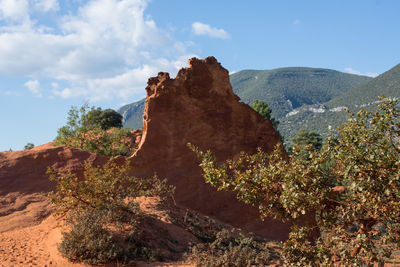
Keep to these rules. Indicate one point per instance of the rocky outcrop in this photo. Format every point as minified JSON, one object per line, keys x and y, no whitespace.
{"x":24,"y":183}
{"x":199,"y":107}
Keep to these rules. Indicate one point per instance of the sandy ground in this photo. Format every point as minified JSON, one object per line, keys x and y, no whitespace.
{"x":33,"y":246}
{"x":37,"y":245}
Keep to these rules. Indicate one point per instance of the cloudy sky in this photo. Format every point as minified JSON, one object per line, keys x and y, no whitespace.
{"x":59,"y":53}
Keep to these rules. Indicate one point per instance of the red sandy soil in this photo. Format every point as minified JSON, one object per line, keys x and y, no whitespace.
{"x":37,"y":245}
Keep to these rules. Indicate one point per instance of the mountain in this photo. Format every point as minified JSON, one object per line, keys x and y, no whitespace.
{"x":285,"y":89}
{"x":388,"y":84}
{"x":331,"y":114}
{"x":132,"y":114}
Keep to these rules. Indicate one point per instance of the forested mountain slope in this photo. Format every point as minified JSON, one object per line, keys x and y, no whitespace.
{"x":331,"y":114}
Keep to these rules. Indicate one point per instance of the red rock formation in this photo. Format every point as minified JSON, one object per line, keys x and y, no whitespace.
{"x":23,"y":182}
{"x":199,"y":107}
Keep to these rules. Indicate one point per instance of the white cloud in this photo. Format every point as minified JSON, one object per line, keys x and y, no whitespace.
{"x":12,"y":93}
{"x":106,"y":49}
{"x":69,"y":93}
{"x":120,"y":85}
{"x":55,"y":85}
{"x":13,"y":9}
{"x":204,"y":29}
{"x":47,"y":5}
{"x":296,"y":22}
{"x":34,"y":87}
{"x":353,"y":71}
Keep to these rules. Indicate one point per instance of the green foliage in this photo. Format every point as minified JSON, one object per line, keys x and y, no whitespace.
{"x":90,"y":130}
{"x":262,"y":107}
{"x":304,"y":138}
{"x":299,"y":251}
{"x":361,"y":159}
{"x":306,"y":141}
{"x":105,"y":119}
{"x":103,"y":218}
{"x":29,"y":146}
{"x":228,"y":251}
{"x":87,"y":241}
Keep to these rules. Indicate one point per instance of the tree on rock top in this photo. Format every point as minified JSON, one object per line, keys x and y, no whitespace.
{"x":105,"y":119}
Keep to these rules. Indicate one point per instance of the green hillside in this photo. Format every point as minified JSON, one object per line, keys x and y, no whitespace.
{"x":331,"y":114}
{"x":388,"y":84}
{"x":286,"y":89}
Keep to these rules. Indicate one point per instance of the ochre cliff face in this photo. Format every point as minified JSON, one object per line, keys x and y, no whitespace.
{"x":199,"y":107}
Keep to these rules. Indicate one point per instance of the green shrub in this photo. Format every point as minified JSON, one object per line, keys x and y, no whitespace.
{"x":298,"y":250}
{"x":228,"y":251}
{"x":96,"y":131}
{"x":112,"y":142}
{"x":103,"y":218}
{"x":88,"y":241}
{"x":304,"y":142}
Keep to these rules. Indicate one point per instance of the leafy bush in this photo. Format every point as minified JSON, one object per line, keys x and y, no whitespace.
{"x":100,"y":210}
{"x":94,"y":131}
{"x":304,"y":142}
{"x":352,"y":185}
{"x":109,"y":143}
{"x":228,"y":251}
{"x":298,"y":250}
{"x":88,"y":241}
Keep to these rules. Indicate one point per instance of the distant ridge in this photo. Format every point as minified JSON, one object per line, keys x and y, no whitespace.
{"x":331,"y":114}
{"x":388,"y":84}
{"x":286,"y":89}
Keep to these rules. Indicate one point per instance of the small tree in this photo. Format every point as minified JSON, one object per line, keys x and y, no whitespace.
{"x":105,"y":119}
{"x":304,"y":138}
{"x":353,"y":185}
{"x":262,"y":107}
{"x":29,"y":146}
{"x":306,"y":141}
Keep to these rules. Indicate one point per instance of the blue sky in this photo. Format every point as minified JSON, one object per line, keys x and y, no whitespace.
{"x":59,"y":53}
